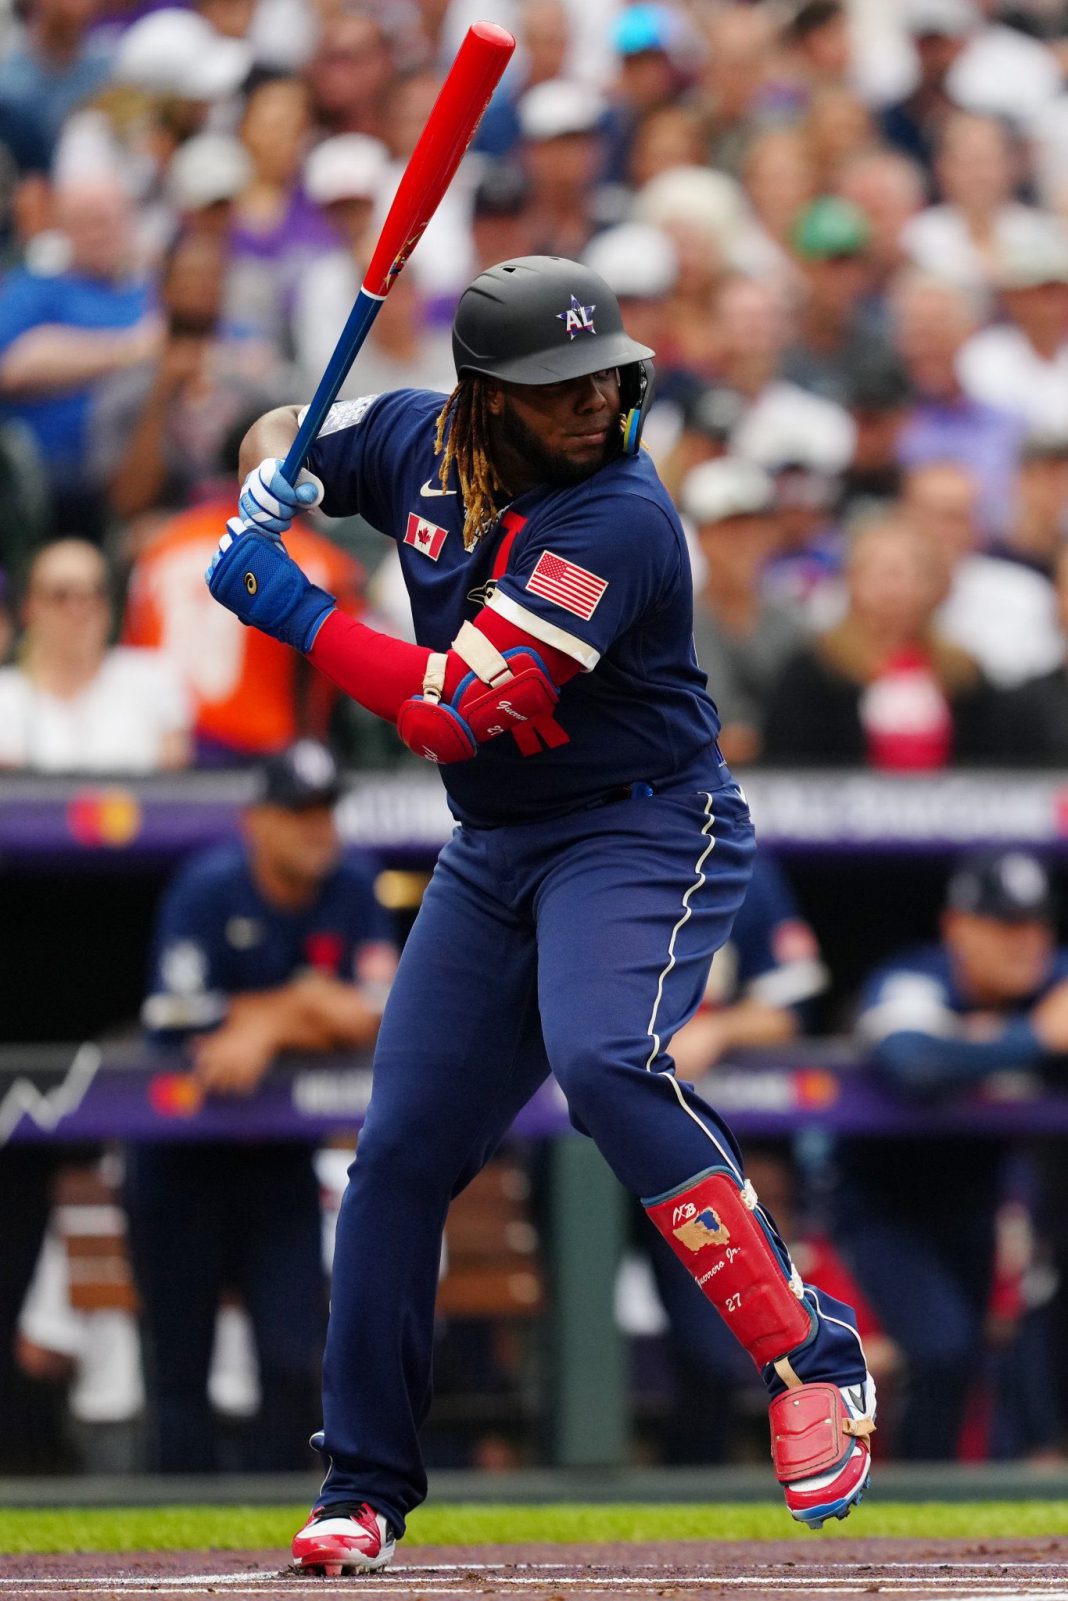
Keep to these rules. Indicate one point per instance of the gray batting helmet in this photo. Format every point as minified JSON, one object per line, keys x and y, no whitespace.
{"x":538,"y":319}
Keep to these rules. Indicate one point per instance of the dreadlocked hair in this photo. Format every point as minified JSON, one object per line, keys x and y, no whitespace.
{"x":462,"y":440}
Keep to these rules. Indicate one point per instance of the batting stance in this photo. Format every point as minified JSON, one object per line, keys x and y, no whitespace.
{"x":601,"y":853}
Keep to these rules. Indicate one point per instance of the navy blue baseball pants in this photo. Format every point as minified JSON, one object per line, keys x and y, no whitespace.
{"x":579,"y":944}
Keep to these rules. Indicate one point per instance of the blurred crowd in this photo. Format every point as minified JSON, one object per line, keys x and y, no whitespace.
{"x":843,"y":227}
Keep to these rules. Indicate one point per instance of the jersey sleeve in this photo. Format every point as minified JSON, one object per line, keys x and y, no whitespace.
{"x":187,"y":989}
{"x":903,"y":999}
{"x":587,"y":572}
{"x":778,"y":954}
{"x":358,"y":453}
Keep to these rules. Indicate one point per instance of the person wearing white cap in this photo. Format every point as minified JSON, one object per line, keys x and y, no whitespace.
{"x":174,"y":52}
{"x":1021,"y":364}
{"x":347,"y":175}
{"x":203,"y":179}
{"x":641,"y":264}
{"x":978,"y":218}
{"x":561,"y":124}
{"x":742,"y":636}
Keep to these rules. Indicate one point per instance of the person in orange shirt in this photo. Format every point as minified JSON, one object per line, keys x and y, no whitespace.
{"x":252,"y":696}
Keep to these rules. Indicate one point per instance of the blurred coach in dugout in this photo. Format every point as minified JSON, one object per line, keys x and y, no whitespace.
{"x":991,"y":995}
{"x":272,"y":943}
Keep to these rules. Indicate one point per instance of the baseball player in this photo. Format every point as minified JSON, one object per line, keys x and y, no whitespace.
{"x":601,"y":853}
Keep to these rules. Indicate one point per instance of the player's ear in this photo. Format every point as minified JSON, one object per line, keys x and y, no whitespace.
{"x":494,"y":398}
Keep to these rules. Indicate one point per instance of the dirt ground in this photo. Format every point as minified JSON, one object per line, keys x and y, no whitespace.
{"x":912,"y":1570}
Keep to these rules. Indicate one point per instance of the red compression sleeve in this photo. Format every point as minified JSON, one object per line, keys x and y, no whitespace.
{"x":382,"y":672}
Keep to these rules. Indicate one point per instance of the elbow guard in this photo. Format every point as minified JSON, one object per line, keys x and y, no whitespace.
{"x":509,"y":692}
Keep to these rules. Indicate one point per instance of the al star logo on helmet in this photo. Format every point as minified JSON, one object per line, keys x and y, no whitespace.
{"x":427,"y":537}
{"x":577,"y":319}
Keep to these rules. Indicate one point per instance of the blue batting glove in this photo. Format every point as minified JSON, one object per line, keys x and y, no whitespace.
{"x":270,"y":502}
{"x":254,"y":576}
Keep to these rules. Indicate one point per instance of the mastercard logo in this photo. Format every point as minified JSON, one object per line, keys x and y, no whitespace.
{"x":175,"y":1095}
{"x":104,"y":817}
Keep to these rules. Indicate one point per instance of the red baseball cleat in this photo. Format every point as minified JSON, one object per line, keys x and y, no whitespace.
{"x":343,"y":1539}
{"x":821,"y":1448}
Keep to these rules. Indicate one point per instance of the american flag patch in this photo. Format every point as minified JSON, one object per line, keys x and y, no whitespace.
{"x":570,"y":586}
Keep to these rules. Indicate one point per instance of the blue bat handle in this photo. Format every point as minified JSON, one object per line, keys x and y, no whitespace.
{"x":364,"y":311}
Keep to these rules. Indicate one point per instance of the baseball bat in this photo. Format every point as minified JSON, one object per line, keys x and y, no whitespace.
{"x":464,"y":96}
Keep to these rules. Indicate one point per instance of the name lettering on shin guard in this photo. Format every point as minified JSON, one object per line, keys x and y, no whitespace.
{"x":713,"y":1227}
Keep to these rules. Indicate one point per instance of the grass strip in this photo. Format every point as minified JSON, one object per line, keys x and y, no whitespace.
{"x":236,"y":1528}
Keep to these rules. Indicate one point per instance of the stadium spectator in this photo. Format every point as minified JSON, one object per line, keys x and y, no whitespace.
{"x":501,"y":222}
{"x":543,"y":37}
{"x":835,"y":329}
{"x":932,"y":320}
{"x":562,"y":126}
{"x":640,"y":264}
{"x":698,"y":427}
{"x":836,"y":126}
{"x":656,"y":52}
{"x":1000,"y":612}
{"x":250,"y":696}
{"x":780,"y":180}
{"x":1021,"y":364}
{"x":344,"y":175}
{"x":350,"y":72}
{"x":734,"y":81}
{"x":940,"y":31}
{"x":882,"y":687}
{"x":781,"y":422}
{"x":888,"y":188}
{"x":271,"y":944}
{"x":991,"y":995}
{"x":963,"y":237}
{"x":817,"y":38}
{"x":671,"y":136}
{"x":276,"y":231}
{"x":158,"y":428}
{"x":59,"y":62}
{"x":1039,"y":527}
{"x":877,"y":401}
{"x":71,"y":704}
{"x":63,"y":332}
{"x":204,"y":177}
{"x":742,"y":637}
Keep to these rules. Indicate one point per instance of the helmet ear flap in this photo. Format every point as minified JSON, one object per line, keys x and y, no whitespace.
{"x":637,"y":385}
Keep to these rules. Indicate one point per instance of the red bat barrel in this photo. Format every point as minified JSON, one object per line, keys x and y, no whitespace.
{"x":465,"y":94}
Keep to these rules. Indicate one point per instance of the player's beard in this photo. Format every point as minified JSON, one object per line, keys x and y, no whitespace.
{"x":548,"y":466}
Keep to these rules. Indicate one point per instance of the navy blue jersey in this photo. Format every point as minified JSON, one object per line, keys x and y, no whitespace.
{"x":918,"y":992}
{"x":216,"y":936}
{"x":598,"y":570}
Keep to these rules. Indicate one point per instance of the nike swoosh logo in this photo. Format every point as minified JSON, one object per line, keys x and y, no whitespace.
{"x":428,"y":489}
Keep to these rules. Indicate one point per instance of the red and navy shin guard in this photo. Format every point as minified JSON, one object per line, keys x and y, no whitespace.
{"x":714,"y":1226}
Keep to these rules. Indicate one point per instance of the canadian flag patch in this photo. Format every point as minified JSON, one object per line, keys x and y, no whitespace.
{"x":569,"y":585}
{"x":427,"y":537}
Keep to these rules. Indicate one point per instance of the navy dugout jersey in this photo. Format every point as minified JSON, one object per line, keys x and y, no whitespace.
{"x":216,"y":936}
{"x":599,"y":570}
